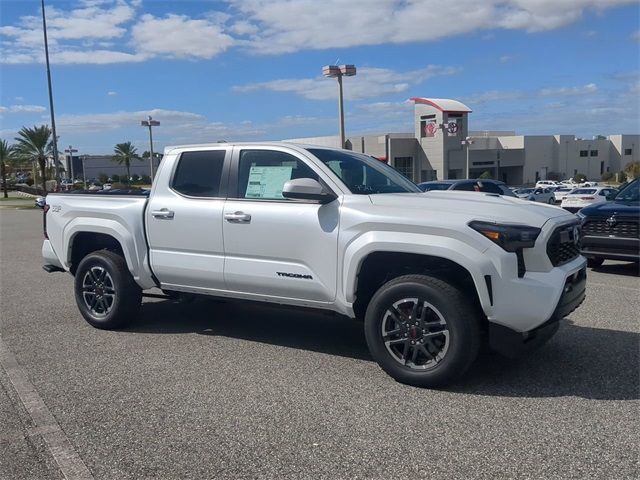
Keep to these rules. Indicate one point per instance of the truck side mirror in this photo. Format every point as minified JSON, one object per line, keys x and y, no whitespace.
{"x":611,"y":196}
{"x":307,"y":189}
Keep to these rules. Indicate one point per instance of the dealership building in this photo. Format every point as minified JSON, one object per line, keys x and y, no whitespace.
{"x":437,"y":149}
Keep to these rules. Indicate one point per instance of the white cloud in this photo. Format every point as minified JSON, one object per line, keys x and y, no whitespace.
{"x":180,"y":36}
{"x":23,"y":109}
{"x":369,"y":82}
{"x":568,"y":91}
{"x":112,"y":93}
{"x":286,"y":26}
{"x":271,"y":27}
{"x":70,"y":33}
{"x":506,"y":58}
{"x":635,"y":36}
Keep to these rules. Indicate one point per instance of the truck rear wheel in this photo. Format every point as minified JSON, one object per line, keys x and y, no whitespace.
{"x":422,"y":331}
{"x":105,"y":291}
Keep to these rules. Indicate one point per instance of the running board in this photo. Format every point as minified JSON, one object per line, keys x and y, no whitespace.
{"x":52,"y":268}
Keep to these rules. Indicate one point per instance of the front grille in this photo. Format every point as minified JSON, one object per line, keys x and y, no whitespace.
{"x":607,"y":227}
{"x":564,"y":244}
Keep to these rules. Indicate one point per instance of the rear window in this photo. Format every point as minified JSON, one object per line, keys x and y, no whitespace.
{"x":488,"y":187}
{"x":584,"y":191}
{"x":198,"y":173}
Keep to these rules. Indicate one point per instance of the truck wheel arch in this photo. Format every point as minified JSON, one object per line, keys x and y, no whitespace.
{"x":83,"y":243}
{"x":378,"y":267}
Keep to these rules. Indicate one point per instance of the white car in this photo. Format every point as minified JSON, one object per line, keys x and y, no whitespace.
{"x":547,"y":183}
{"x":583,"y":197}
{"x":544,"y":195}
{"x":560,"y":193}
{"x":431,"y":275}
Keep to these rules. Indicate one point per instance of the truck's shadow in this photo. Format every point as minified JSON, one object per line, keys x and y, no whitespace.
{"x":627,"y":269}
{"x":579,"y":361}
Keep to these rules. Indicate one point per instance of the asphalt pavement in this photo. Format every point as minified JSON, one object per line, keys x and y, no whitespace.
{"x":228,"y":390}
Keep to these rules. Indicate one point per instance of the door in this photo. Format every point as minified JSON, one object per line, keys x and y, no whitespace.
{"x":273,"y":246}
{"x":184,"y":221}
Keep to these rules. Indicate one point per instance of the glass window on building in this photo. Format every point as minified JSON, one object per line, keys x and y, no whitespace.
{"x":594,"y":153}
{"x":628,"y":151}
{"x":601,"y":168}
{"x":405,"y":166}
{"x":584,"y":153}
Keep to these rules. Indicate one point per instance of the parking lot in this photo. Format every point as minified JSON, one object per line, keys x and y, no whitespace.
{"x":227,"y":390}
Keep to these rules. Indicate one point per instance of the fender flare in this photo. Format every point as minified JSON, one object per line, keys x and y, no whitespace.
{"x":461,"y":253}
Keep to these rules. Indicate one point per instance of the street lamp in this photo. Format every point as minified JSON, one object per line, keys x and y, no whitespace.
{"x":468,"y":142}
{"x":71,"y":151}
{"x":335,"y":71}
{"x":54,"y":140}
{"x":150,"y":122}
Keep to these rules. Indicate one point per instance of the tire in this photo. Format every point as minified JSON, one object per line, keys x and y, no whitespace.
{"x":457,"y":348}
{"x":105,"y":291}
{"x":595,"y":262}
{"x":552,"y":201}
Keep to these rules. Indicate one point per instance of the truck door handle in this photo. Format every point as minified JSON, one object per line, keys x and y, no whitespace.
{"x":163,"y":213}
{"x":237,"y":217}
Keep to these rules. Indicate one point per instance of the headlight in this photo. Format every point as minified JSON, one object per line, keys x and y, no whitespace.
{"x":510,"y":237}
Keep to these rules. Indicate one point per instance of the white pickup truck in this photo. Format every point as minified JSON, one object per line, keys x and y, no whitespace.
{"x":432,"y":275}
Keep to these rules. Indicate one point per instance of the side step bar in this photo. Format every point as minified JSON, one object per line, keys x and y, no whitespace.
{"x":52,"y":268}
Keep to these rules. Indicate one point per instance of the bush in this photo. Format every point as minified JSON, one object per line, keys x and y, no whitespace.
{"x":145,"y":179}
{"x":103,"y":177}
{"x":29,"y":181}
{"x":580,"y":178}
{"x":486,"y":175}
{"x":115,"y":177}
{"x":606,"y":176}
{"x":632,"y":169}
{"x":135,"y":178}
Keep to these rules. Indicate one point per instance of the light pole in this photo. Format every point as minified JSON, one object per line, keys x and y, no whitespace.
{"x":53,"y":119}
{"x":150,"y":122}
{"x":84,"y":175}
{"x":71,"y":151}
{"x":468,"y":142}
{"x":335,"y":71}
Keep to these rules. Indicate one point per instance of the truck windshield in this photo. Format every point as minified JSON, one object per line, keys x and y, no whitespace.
{"x":630,"y":193}
{"x":362,"y":174}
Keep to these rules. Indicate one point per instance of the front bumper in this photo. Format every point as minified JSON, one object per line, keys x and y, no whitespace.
{"x":613,"y":248}
{"x":512,"y":343}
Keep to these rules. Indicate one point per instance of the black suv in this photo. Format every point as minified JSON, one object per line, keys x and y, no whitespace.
{"x":611,"y":230}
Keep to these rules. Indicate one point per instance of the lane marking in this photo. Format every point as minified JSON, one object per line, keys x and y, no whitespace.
{"x":69,"y":462}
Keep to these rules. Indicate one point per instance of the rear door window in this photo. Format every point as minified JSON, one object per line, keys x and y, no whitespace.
{"x":199,"y":174}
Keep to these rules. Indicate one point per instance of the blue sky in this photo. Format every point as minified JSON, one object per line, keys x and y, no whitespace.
{"x":251,"y":69}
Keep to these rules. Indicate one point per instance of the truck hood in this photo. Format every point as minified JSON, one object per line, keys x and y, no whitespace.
{"x":474,"y":205}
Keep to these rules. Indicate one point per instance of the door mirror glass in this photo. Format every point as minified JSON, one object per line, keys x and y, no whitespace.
{"x":611,"y":195}
{"x":306,"y":189}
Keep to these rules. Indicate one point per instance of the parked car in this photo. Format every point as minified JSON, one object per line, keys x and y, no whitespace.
{"x":544,"y":195}
{"x":547,"y":183}
{"x":611,"y":230}
{"x":561,"y":192}
{"x":477,"y":185}
{"x":430,"y":275}
{"x":583,"y":197}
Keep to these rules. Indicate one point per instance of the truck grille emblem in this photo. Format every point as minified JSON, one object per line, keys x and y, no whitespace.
{"x":611,"y":221}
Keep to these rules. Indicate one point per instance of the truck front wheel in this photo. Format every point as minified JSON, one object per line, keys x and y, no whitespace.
{"x":105,"y":291}
{"x":422,"y":330}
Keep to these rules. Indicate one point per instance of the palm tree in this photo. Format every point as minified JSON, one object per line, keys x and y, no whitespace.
{"x":35,"y":144}
{"x":124,"y":153}
{"x":6,"y":156}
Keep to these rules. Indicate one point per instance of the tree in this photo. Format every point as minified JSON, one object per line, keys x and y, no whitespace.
{"x":124,"y":153}
{"x":6,"y":157}
{"x":606,"y":176}
{"x":632,"y":169}
{"x":579,"y":178}
{"x":35,"y":145}
{"x":115,"y":177}
{"x":486,"y":175}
